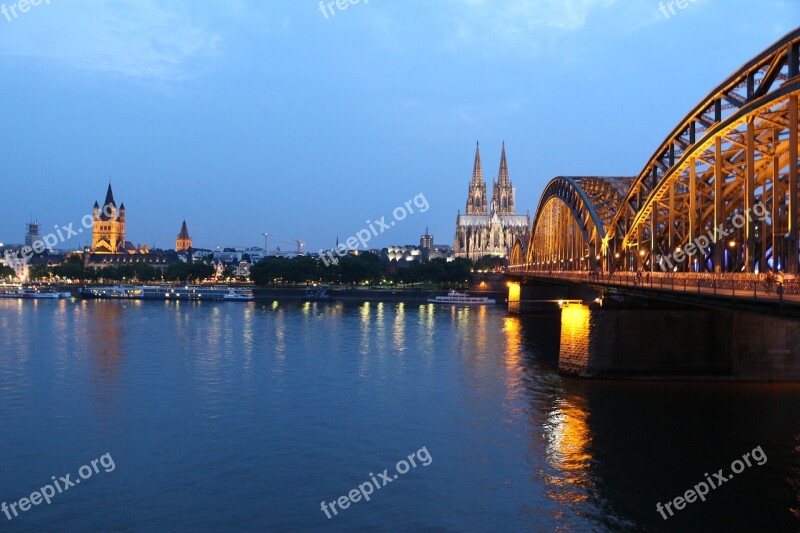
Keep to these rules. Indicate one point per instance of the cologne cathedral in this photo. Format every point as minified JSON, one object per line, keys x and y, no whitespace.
{"x":490,"y":228}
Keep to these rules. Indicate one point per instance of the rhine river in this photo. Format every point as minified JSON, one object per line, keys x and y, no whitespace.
{"x":246,"y":416}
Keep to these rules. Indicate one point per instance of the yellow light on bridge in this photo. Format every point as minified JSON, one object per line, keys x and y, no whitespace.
{"x":514,"y":292}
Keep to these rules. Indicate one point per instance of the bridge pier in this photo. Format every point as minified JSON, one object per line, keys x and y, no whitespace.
{"x":533,"y":297}
{"x":680,"y":343}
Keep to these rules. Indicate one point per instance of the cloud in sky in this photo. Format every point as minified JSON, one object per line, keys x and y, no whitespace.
{"x":522,"y":21}
{"x":140,"y":39}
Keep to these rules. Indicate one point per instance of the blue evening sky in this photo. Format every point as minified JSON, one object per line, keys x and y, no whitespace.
{"x":253,"y":116}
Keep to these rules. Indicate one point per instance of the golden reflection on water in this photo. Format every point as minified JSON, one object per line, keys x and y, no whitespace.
{"x":513,"y":336}
{"x":280,"y":341}
{"x":565,"y":424}
{"x":399,"y":328}
{"x":247,"y":336}
{"x":365,"y":323}
{"x":426,"y":320}
{"x":380,"y":329}
{"x":568,"y":441}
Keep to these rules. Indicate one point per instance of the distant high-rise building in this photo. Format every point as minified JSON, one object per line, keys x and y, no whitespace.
{"x":490,"y":229}
{"x":32,"y":233}
{"x":426,"y":241}
{"x":184,"y":241}
{"x":108,"y":232}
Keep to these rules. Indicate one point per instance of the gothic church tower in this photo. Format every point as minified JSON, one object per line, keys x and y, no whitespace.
{"x":502,"y":190}
{"x":108,"y":230}
{"x":476,"y":201}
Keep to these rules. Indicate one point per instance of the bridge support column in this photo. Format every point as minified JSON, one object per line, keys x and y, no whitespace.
{"x":749,"y":196}
{"x":692,"y":203}
{"x":719,"y":206}
{"x":792,"y":244}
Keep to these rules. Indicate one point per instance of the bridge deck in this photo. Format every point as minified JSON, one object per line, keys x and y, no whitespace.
{"x":710,"y":289}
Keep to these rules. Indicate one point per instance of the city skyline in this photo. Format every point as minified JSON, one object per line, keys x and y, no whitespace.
{"x":202,"y":112}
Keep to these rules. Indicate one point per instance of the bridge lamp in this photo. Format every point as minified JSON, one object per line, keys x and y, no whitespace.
{"x":641,"y":253}
{"x":732,"y":244}
{"x":616,"y":255}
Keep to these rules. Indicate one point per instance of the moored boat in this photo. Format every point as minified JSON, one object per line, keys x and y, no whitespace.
{"x":17,"y":290}
{"x":318,"y":292}
{"x":43,"y":294}
{"x":10,"y":290}
{"x":460,"y":298}
{"x":218,"y":293}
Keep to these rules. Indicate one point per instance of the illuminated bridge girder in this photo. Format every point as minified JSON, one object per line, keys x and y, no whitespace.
{"x":734,"y":154}
{"x":569,"y":226}
{"x":736,"y":151}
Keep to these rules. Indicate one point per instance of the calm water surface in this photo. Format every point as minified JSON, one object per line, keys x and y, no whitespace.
{"x":245,"y":417}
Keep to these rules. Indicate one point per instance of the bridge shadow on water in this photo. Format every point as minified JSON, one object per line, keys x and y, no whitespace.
{"x":615,"y":449}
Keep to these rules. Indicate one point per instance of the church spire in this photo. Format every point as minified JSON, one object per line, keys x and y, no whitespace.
{"x":502,"y":177}
{"x":109,"y":197}
{"x":184,"y":234}
{"x":476,"y":200}
{"x":477,"y":171}
{"x":184,"y":241}
{"x":502,"y":190}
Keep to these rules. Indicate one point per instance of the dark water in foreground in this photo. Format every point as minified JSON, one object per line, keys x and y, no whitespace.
{"x":245,"y":417}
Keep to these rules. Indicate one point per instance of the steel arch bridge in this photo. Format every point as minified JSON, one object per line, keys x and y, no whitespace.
{"x":720,"y":194}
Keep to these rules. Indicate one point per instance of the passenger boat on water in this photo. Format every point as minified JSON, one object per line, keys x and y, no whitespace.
{"x":460,"y":298}
{"x":214,"y":293}
{"x":16,"y":290}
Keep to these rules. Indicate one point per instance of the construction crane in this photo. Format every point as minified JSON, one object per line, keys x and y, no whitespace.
{"x":299,"y":245}
{"x":267,"y":235}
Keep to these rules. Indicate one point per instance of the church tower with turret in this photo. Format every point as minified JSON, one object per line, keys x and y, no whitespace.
{"x":108,"y":229}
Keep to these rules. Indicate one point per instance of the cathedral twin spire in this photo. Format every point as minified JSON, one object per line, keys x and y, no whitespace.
{"x":502,"y":190}
{"x":476,"y":201}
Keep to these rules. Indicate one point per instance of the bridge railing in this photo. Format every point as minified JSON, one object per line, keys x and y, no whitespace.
{"x":738,"y":285}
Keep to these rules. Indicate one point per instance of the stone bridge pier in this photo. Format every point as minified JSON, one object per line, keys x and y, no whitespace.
{"x":680,"y":343}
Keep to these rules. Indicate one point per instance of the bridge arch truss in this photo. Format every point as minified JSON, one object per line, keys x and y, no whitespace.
{"x":719,"y":194}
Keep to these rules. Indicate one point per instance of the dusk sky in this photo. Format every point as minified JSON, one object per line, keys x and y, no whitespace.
{"x":245,"y":117}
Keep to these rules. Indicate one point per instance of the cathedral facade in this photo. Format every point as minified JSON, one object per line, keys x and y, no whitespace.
{"x":490,"y":228}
